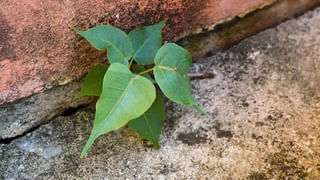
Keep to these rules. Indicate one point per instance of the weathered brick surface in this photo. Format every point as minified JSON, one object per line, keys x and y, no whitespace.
{"x":38,"y":47}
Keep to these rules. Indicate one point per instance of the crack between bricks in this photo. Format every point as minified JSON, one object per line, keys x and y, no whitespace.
{"x":68,"y":112}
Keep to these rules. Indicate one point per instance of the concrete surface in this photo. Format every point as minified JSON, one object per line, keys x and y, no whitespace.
{"x":264,"y":122}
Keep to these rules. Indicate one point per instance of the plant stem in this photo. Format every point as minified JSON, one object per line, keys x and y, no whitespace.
{"x":146,"y":71}
{"x":131,"y":61}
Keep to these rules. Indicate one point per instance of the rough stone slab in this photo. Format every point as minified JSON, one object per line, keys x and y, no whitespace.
{"x":38,"y":46}
{"x":264,"y":123}
{"x":19,"y":117}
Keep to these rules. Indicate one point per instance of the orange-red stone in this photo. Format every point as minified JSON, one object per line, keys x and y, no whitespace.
{"x":38,"y":47}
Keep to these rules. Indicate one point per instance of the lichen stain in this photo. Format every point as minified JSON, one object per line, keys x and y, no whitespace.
{"x":192,"y":138}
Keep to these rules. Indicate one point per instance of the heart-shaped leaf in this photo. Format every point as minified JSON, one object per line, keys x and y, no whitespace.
{"x":92,"y":84}
{"x":172,"y":64}
{"x":112,"y":39}
{"x":149,"y":125}
{"x":124,"y":97}
{"x":146,"y":41}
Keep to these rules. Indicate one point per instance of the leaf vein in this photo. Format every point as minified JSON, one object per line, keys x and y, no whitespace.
{"x":144,"y":43}
{"x":117,"y":103}
{"x":149,"y":125}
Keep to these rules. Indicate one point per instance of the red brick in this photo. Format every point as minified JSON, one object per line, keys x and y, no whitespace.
{"x":38,"y":47}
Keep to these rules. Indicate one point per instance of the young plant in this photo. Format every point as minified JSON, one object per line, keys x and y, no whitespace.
{"x":127,"y":94}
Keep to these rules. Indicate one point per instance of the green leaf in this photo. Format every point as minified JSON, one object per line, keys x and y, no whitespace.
{"x":115,"y":41}
{"x":124,"y":97}
{"x":149,"y":125}
{"x":146,"y":41}
{"x":92,"y":84}
{"x":172,"y":64}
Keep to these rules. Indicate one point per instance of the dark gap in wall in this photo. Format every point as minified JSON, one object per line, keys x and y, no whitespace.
{"x":68,"y":112}
{"x":9,"y":140}
{"x":71,"y":111}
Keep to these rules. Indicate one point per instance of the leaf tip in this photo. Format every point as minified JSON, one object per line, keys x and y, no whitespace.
{"x":77,"y":30}
{"x":164,"y":21}
{"x":84,"y":151}
{"x":156,"y":146}
{"x":74,"y":28}
{"x":87,"y":146}
{"x":200,"y":110}
{"x":81,"y":156}
{"x":78,"y":95}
